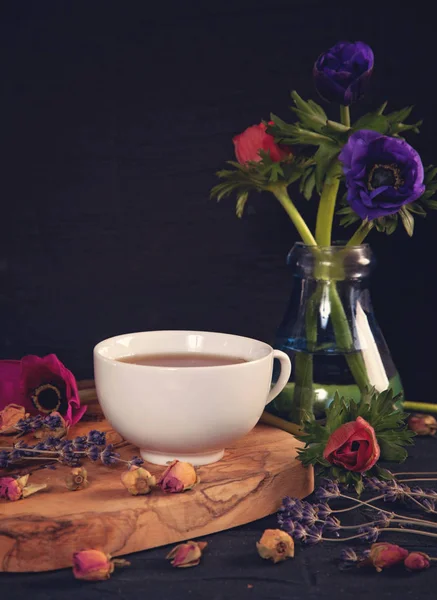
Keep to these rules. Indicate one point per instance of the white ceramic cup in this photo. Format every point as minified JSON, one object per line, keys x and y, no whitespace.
{"x":185,"y":413}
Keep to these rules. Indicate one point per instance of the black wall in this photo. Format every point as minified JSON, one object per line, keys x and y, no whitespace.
{"x":116,"y":117}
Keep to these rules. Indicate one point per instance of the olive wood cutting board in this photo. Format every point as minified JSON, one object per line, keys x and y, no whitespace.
{"x":41,"y":532}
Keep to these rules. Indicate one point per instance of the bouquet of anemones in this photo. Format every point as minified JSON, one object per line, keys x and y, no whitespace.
{"x":384,"y":176}
{"x":384,"y":179}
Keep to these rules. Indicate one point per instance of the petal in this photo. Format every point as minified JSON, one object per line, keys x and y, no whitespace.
{"x":339,"y":437}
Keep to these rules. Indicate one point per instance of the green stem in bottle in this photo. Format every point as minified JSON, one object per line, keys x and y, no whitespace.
{"x":361,"y":233}
{"x":280,"y":191}
{"x":345,"y":116}
{"x":344,"y":339}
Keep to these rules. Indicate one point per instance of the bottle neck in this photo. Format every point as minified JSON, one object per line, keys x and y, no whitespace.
{"x":331,"y":263}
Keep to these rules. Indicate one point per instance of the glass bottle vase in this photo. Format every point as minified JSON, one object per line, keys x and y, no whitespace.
{"x":330,"y":333}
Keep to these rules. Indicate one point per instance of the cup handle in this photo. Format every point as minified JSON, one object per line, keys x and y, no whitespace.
{"x":284,"y":375}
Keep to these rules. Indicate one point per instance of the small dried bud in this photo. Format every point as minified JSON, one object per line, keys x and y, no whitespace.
{"x":9,"y":416}
{"x":77,"y":479}
{"x":178,"y":477}
{"x":10,"y":489}
{"x":384,"y":555}
{"x":275,"y":545}
{"x":14,"y":489}
{"x":422,"y":424}
{"x":417,"y":561}
{"x":186,"y":555}
{"x":94,"y":565}
{"x":138,"y":481}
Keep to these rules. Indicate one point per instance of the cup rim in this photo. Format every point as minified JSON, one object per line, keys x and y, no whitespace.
{"x":113,"y":339}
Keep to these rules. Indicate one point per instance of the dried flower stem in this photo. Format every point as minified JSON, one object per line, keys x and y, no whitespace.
{"x":417,"y":479}
{"x":387,"y":512}
{"x":415,"y":472}
{"x":415,"y":531}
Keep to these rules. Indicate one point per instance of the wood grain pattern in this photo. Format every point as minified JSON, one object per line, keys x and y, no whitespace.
{"x":41,"y":532}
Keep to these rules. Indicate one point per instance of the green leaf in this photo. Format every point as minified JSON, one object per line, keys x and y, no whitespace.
{"x":401,"y":127}
{"x":382,"y":108}
{"x":310,"y":113}
{"x":383,"y":473}
{"x":241,"y":201}
{"x":311,"y":455}
{"x":432,"y":204}
{"x":415,"y":208}
{"x":359,"y":486}
{"x":392,"y":452}
{"x":374,"y":121}
{"x":335,"y":414}
{"x":386,"y":224}
{"x":407,"y":221}
{"x":324,"y":157}
{"x":398,"y":116}
{"x":307,"y":183}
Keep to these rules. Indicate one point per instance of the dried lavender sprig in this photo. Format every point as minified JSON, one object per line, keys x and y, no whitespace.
{"x":67,"y":451}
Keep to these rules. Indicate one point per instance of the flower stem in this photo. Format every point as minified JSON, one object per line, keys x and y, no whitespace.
{"x":370,"y":505}
{"x":352,"y":537}
{"x":415,"y":473}
{"x":344,"y":339}
{"x":417,"y":479}
{"x":403,"y":521}
{"x":345,"y":115}
{"x":361,"y":233}
{"x":325,"y":213}
{"x":415,"y":531}
{"x":420,"y":406}
{"x":280,"y":191}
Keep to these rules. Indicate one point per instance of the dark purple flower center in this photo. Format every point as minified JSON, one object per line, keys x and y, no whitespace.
{"x":355,"y":446}
{"x":47,"y":398}
{"x":384,"y":175}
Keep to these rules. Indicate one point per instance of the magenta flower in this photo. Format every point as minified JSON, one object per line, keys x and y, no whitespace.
{"x":41,"y":385}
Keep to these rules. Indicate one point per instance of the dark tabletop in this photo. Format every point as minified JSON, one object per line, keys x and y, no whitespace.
{"x":231,"y":568}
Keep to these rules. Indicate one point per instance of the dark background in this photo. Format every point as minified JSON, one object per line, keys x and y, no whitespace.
{"x":116,"y":117}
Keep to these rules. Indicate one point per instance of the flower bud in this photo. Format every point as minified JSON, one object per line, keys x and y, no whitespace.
{"x":14,"y":489}
{"x":417,"y":561}
{"x":186,"y":555}
{"x":10,"y":489}
{"x":138,"y":481}
{"x":422,"y":424}
{"x":95,"y":565}
{"x":275,"y":545}
{"x":384,"y":555}
{"x":92,"y":565}
{"x":76,"y":479}
{"x":178,"y":477}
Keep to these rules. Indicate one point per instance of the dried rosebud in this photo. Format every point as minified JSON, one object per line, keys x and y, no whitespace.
{"x":275,"y":545}
{"x":417,"y":561}
{"x":422,"y":424}
{"x":9,"y":416}
{"x":77,"y":479}
{"x":94,"y":565}
{"x":178,"y":477}
{"x":384,"y":555}
{"x":14,"y":489}
{"x":10,"y":489}
{"x":138,"y":481}
{"x":186,"y":555}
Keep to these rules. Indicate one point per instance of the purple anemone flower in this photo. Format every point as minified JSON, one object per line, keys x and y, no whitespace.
{"x":341,"y":74}
{"x":382,"y":174}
